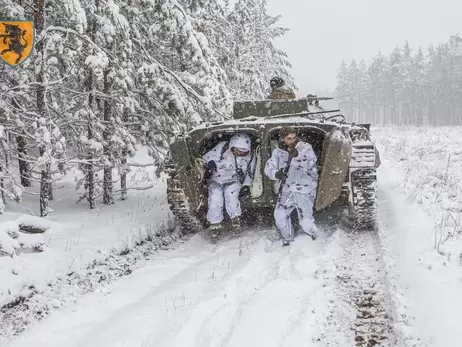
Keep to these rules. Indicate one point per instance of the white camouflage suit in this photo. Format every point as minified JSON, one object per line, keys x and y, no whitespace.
{"x":299,"y":190}
{"x":223,"y":185}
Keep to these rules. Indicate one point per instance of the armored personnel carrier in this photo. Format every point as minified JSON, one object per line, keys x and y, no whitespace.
{"x":347,"y":160}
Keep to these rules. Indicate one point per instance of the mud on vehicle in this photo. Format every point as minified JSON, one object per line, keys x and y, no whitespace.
{"x":347,"y":160}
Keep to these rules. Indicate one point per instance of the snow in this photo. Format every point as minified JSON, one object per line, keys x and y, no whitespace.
{"x":35,"y":221}
{"x":13,"y":240}
{"x":420,"y":178}
{"x":427,"y":163}
{"x":243,"y":292}
{"x":250,"y":291}
{"x":95,"y":146}
{"x":301,"y":120}
{"x":114,"y":9}
{"x":98,"y":61}
{"x":8,"y":245}
{"x":76,"y":236}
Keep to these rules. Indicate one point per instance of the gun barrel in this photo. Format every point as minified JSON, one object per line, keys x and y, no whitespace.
{"x":329,"y":111}
{"x":319,"y":98}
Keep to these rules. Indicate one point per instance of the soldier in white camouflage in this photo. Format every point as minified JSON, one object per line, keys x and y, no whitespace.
{"x":228,"y":176}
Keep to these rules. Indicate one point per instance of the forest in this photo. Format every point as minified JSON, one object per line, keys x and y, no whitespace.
{"x":107,"y":76}
{"x":404,"y":87}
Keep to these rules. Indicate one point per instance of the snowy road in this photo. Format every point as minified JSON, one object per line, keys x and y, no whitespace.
{"x":242,"y":292}
{"x":338,"y":291}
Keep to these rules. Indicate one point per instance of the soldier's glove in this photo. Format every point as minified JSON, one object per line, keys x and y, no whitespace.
{"x":280,"y":175}
{"x":240,"y":176}
{"x":211,"y":167}
{"x":293,"y":152}
{"x":244,"y":193}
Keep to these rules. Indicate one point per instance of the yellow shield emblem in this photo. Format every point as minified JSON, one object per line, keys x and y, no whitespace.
{"x":16,"y":40}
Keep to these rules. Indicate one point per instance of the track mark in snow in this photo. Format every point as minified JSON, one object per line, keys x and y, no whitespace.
{"x":362,"y":284}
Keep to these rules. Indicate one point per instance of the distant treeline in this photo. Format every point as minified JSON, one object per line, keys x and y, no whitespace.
{"x":405,"y":87}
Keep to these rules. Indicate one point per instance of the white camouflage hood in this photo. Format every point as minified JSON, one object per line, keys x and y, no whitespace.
{"x":241,"y":142}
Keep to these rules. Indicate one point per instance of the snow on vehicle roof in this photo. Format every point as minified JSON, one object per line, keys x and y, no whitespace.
{"x":300,"y":112}
{"x":295,"y":118}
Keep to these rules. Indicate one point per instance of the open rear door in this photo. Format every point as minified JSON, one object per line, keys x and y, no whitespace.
{"x":188,"y":174}
{"x":335,"y":159}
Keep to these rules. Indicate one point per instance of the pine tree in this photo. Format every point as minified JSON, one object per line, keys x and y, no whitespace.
{"x":244,"y":41}
{"x":364,"y":84}
{"x":342,"y":90}
{"x":108,"y":76}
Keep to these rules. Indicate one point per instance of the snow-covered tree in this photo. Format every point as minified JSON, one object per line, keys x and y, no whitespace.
{"x":243,"y":37}
{"x":107,"y":76}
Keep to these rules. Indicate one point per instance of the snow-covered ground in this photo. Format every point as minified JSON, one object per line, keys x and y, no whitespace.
{"x":399,"y":288}
{"x":243,"y":292}
{"x":81,"y":248}
{"x":420,"y":204}
{"x":426,"y":164}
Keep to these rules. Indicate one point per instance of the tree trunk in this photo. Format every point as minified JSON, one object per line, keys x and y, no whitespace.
{"x":123,"y":177}
{"x":24,"y":169}
{"x":44,"y":196}
{"x":90,"y":175}
{"x":21,"y":145}
{"x":7,"y":151}
{"x":90,"y":85}
{"x":39,"y":17}
{"x":2,"y":192}
{"x":108,"y":198}
{"x":49,"y":182}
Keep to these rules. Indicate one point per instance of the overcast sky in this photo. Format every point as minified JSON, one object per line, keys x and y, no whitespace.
{"x":325,"y":31}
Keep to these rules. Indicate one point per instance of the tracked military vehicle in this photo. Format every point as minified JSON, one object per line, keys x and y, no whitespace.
{"x":347,"y":160}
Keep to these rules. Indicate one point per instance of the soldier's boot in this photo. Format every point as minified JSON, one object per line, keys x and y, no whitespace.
{"x":215,"y":230}
{"x":236,"y":225}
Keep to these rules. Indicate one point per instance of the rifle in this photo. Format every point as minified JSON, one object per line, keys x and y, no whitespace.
{"x":283,"y":181}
